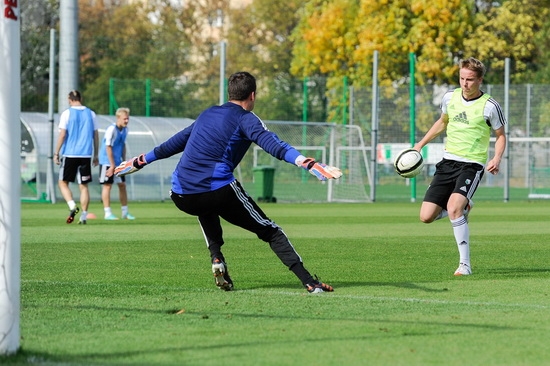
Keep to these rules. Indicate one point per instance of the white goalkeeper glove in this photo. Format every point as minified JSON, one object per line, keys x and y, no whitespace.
{"x":130,"y":166}
{"x":320,"y":170}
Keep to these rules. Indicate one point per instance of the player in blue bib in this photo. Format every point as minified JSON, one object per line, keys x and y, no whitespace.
{"x":111,"y":153}
{"x":78,"y":140}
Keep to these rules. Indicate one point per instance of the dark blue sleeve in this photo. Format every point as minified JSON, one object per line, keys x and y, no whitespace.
{"x":257,"y":131}
{"x":174,"y":145}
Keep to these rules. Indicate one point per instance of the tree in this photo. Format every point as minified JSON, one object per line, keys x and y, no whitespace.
{"x":171,"y":53}
{"x":137,"y":42}
{"x":335,"y":37}
{"x":259,"y":36}
{"x":438,"y":30}
{"x":113,"y":43}
{"x":324,"y":42}
{"x":539,"y":72}
{"x":37,"y":19}
{"x":259,"y":41}
{"x":341,"y":36}
{"x":325,"y":39}
{"x":510,"y":30}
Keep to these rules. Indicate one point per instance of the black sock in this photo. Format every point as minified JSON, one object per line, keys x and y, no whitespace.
{"x":302,"y":273}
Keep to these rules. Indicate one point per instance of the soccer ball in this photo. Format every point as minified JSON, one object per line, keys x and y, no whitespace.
{"x":408,"y":163}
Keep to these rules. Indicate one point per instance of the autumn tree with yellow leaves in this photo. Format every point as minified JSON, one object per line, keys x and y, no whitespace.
{"x":339,"y":37}
{"x":510,"y":30}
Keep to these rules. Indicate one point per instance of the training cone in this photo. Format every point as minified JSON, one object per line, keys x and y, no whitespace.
{"x":91,"y":216}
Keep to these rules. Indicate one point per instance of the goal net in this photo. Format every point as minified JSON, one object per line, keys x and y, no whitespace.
{"x":538,"y":151}
{"x":332,"y":144}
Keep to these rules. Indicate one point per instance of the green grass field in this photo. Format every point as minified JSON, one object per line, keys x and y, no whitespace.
{"x":142,"y":292}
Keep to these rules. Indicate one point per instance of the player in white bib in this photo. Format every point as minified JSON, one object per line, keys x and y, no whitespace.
{"x":468,"y":117}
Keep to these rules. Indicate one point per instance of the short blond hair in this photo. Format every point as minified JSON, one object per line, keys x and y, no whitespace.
{"x":122,"y":111}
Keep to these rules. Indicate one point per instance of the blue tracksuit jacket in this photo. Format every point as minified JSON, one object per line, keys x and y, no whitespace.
{"x":214,"y":145}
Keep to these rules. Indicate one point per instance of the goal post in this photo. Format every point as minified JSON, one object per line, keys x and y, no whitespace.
{"x":338,"y":145}
{"x":10,"y":211}
{"x":536,"y":151}
{"x":539,"y":181}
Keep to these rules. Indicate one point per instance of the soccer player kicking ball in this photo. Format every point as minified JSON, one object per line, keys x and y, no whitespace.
{"x":203,"y":183}
{"x":468,"y":116}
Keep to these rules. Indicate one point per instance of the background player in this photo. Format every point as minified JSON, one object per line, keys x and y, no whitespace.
{"x":77,"y":141}
{"x":112,"y":153}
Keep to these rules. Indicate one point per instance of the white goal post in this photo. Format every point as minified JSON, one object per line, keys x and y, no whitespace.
{"x":10,"y":210}
{"x":537,"y":151}
{"x":338,"y":145}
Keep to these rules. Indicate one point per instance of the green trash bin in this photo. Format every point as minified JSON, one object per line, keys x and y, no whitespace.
{"x":263,"y":183}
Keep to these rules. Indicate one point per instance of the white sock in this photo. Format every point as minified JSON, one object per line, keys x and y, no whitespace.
{"x":107,"y":211}
{"x":462,"y":237}
{"x":83,"y":215}
{"x":71,"y":204}
{"x":442,"y":214}
{"x":124,"y":210}
{"x":467,"y":209}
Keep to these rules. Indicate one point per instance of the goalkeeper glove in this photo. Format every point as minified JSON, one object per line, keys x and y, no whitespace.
{"x":130,"y":166}
{"x":320,"y":170}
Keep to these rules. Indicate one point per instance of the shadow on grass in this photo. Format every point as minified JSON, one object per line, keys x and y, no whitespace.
{"x":339,"y":284}
{"x":518,"y":271}
{"x":385,"y":328}
{"x":25,"y":357}
{"x":404,"y":285}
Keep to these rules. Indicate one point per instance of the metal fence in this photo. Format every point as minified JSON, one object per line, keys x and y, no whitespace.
{"x":528,"y":154}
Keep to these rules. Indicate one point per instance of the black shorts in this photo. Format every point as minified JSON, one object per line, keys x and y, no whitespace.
{"x":453,"y":177}
{"x":230,"y":202}
{"x":103,"y":179}
{"x":235,"y":206}
{"x":79,"y":169}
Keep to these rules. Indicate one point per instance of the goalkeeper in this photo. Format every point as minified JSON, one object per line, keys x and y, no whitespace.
{"x":203,"y":183}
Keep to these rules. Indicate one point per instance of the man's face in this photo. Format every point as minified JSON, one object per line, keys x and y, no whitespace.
{"x":470,"y":83}
{"x":122,"y":120}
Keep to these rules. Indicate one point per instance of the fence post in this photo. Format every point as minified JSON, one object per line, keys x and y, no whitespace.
{"x":148,"y":97}
{"x":412,"y":115}
{"x":50,"y":186}
{"x":345,"y":101}
{"x":506,"y":128}
{"x":528,"y":134}
{"x":374,"y":126}
{"x":222,"y":72}
{"x":112,"y":101}
{"x":305,"y":100}
{"x":305,"y":95}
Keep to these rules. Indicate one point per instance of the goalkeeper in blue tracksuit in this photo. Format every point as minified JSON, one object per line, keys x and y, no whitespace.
{"x":203,"y":183}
